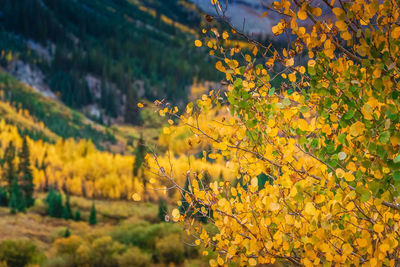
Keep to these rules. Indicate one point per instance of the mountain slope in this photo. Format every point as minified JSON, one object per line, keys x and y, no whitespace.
{"x":44,"y":118}
{"x":101,"y":56}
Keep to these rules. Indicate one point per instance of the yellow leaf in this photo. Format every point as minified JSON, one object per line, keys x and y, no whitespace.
{"x":396,"y":33}
{"x":166,"y":130}
{"x":198,"y":43}
{"x":136,"y":197}
{"x":302,"y":14}
{"x":349,"y":177}
{"x":252,"y":262}
{"x":175,"y":214}
{"x":379,"y":228}
{"x":347,"y":249}
{"x":292,"y":77}
{"x":309,"y":208}
{"x":367,"y":111}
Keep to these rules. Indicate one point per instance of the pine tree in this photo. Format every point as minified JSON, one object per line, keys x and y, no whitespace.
{"x":67,"y":214}
{"x":9,"y":168}
{"x":17,"y":202}
{"x":67,"y":233}
{"x":131,"y":110}
{"x":139,"y":160}
{"x":162,"y":209}
{"x":77,"y":216}
{"x":54,"y":201}
{"x":92,"y":216}
{"x":3,"y":197}
{"x":26,"y":176}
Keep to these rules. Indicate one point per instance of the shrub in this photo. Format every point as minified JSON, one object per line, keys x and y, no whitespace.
{"x":170,"y":249}
{"x":143,"y":234}
{"x":133,"y":256}
{"x":39,"y":207}
{"x":105,"y":251}
{"x":17,"y":253}
{"x":73,"y":250}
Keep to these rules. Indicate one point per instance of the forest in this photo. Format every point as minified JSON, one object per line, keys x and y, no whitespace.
{"x":242,"y":150}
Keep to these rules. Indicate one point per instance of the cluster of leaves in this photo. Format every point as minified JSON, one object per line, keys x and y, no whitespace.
{"x":327,"y":139}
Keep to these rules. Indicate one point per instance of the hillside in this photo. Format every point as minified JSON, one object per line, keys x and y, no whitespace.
{"x":44,"y":118}
{"x":101,"y":56}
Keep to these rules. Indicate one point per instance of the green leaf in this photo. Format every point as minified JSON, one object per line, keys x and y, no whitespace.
{"x":397,"y":159}
{"x":365,"y":196}
{"x":349,"y":114}
{"x":272,"y":91}
{"x":396,"y":175}
{"x":342,"y":138}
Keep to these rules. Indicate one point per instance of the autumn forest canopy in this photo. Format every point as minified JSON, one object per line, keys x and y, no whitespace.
{"x":150,"y":133}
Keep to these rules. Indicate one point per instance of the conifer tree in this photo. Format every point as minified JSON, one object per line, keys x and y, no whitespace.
{"x":77,"y":216}
{"x":67,"y":214}
{"x":3,"y":197}
{"x":26,"y":176}
{"x":92,"y":216}
{"x":17,"y":202}
{"x":67,"y":233}
{"x":139,"y":160}
{"x":9,"y":168}
{"x":54,"y":201}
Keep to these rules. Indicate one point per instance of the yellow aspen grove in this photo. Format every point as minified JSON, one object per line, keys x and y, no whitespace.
{"x":312,"y":134}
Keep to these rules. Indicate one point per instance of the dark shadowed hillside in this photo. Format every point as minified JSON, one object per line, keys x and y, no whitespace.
{"x":101,"y":56}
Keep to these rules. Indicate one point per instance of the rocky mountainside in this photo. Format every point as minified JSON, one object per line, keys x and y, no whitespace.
{"x":102,"y":56}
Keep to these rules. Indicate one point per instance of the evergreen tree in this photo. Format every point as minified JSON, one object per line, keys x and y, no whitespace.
{"x":9,"y":168}
{"x":17,"y":202}
{"x":139,"y":160}
{"x":162,"y":209}
{"x":77,"y":216}
{"x":67,"y":233}
{"x":54,"y":201}
{"x":132,"y":111}
{"x":67,"y":214}
{"x":92,"y":216}
{"x":26,"y":176}
{"x":3,"y":197}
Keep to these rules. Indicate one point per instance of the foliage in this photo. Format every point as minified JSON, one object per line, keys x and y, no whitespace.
{"x":77,"y":215}
{"x":52,"y":117}
{"x":17,"y":201}
{"x":143,"y":234}
{"x":3,"y":197}
{"x":67,"y":213}
{"x":54,"y":202}
{"x":162,"y":210}
{"x":19,"y":253}
{"x":133,"y":256}
{"x":93,"y":216}
{"x":170,"y":249}
{"x":26,"y":176}
{"x":327,"y":138}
